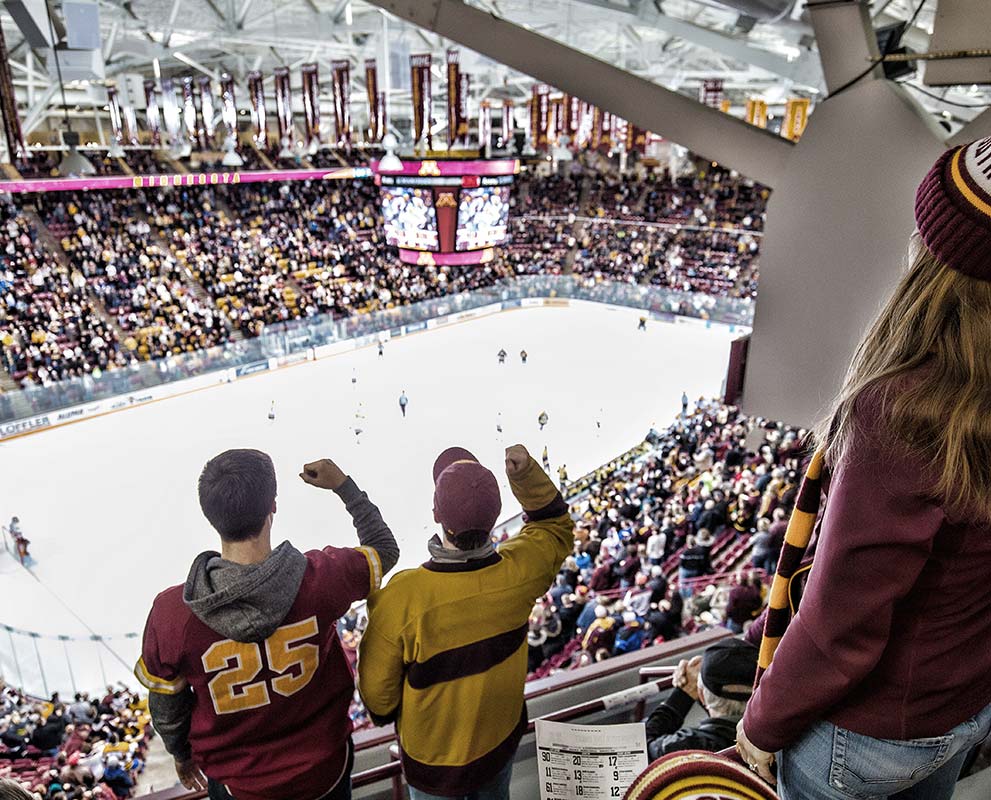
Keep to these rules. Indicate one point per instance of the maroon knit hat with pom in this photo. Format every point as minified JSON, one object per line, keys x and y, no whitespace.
{"x":953,"y":209}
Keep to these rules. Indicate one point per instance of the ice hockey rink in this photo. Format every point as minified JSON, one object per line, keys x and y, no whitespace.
{"x":110,"y":503}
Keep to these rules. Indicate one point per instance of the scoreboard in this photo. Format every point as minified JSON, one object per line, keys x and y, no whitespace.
{"x":447,"y":212}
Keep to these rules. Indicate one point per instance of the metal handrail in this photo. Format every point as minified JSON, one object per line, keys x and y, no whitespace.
{"x":393,"y":769}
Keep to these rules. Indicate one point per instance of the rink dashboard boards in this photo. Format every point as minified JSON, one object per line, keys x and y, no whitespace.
{"x":447,"y":212}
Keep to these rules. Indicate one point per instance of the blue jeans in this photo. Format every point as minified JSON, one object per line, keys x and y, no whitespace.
{"x":496,"y":789}
{"x":831,"y":763}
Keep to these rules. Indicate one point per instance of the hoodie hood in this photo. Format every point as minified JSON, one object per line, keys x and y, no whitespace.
{"x":244,"y":602}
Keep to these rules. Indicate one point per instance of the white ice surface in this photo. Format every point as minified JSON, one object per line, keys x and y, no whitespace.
{"x":110,"y":505}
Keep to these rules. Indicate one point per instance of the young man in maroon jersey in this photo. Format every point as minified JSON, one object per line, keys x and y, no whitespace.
{"x":248,"y":682}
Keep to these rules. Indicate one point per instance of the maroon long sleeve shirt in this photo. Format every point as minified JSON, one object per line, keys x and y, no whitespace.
{"x":893,"y":636}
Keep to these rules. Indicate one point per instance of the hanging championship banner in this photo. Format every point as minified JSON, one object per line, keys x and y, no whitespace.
{"x":257,"y":91}
{"x":383,"y":119}
{"x":796,"y":118}
{"x":8,"y":107}
{"x":539,"y":111}
{"x":341,"y":82}
{"x":606,"y":142}
{"x":619,"y":128}
{"x":756,"y":113}
{"x":130,"y":125}
{"x":464,"y":121}
{"x":228,"y":110}
{"x":283,"y":105}
{"x":116,"y":126}
{"x":484,"y":126}
{"x":586,"y":120}
{"x":207,"y":109}
{"x":420,"y":83}
{"x":151,"y":112}
{"x":170,"y":111}
{"x":636,"y":139}
{"x":711,"y":92}
{"x":572,"y":116}
{"x":311,"y":102}
{"x":189,"y":112}
{"x":552,"y":120}
{"x":453,"y":98}
{"x":372,"y":90}
{"x":507,"y":122}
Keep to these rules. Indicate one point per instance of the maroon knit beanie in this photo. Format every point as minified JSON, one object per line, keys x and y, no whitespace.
{"x":466,"y":494}
{"x":953,"y":209}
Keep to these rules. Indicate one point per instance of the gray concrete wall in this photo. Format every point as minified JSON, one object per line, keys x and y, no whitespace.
{"x":838,"y":226}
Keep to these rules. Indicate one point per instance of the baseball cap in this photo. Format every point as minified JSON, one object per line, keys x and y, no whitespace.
{"x":466,"y":494}
{"x":729,"y":668}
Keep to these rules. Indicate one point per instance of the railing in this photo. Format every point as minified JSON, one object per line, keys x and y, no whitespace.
{"x":296,"y":338}
{"x":560,"y":683}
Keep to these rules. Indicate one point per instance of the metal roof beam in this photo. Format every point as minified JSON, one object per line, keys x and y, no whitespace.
{"x":710,"y":133}
{"x":803,"y":70}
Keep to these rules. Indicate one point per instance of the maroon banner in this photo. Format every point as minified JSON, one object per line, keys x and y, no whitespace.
{"x":228,"y":108}
{"x":464,"y":120}
{"x":383,"y":119}
{"x":446,"y":205}
{"x":507,"y":122}
{"x":8,"y":107}
{"x":636,"y":139}
{"x":116,"y":123}
{"x":420,"y":84}
{"x":372,"y":91}
{"x":341,"y":81}
{"x":283,"y":105}
{"x":207,"y":109}
{"x":484,"y":126}
{"x":152,"y":118}
{"x":453,"y":98}
{"x":311,"y":102}
{"x":606,"y":142}
{"x":257,"y":91}
{"x":539,"y":112}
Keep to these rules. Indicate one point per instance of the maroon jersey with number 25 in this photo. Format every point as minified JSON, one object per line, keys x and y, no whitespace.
{"x":272,"y":713}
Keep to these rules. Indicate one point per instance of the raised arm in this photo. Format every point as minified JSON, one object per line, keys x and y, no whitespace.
{"x":548,"y":520}
{"x":371,"y":528}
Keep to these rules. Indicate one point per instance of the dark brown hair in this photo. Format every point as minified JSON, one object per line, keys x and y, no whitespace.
{"x":469,"y":540}
{"x":237,"y":490}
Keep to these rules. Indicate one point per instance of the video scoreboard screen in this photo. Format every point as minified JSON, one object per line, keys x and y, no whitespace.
{"x":447,"y":212}
{"x":410,"y":218}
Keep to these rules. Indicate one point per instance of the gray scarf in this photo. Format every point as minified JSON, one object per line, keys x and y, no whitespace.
{"x":445,"y":555}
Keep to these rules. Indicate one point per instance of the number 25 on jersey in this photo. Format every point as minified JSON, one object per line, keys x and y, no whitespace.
{"x":237,"y":664}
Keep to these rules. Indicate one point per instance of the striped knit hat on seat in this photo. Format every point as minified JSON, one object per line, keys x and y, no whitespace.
{"x":953,"y":209}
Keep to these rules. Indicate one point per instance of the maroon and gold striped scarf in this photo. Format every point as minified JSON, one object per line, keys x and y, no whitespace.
{"x":803,"y":519}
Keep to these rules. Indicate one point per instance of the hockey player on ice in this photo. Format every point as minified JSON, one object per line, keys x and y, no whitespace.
{"x":271,"y":412}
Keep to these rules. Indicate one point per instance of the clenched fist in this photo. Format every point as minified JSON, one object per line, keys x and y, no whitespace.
{"x":517,"y":460}
{"x":324,"y":474}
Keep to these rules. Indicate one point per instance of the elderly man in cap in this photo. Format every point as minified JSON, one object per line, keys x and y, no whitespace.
{"x":445,"y":650}
{"x":721,"y":680}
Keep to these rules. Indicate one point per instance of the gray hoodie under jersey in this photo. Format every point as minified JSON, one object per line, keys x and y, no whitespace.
{"x":247,"y":602}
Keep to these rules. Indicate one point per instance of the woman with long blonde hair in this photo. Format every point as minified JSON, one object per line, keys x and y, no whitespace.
{"x":880,"y":685}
